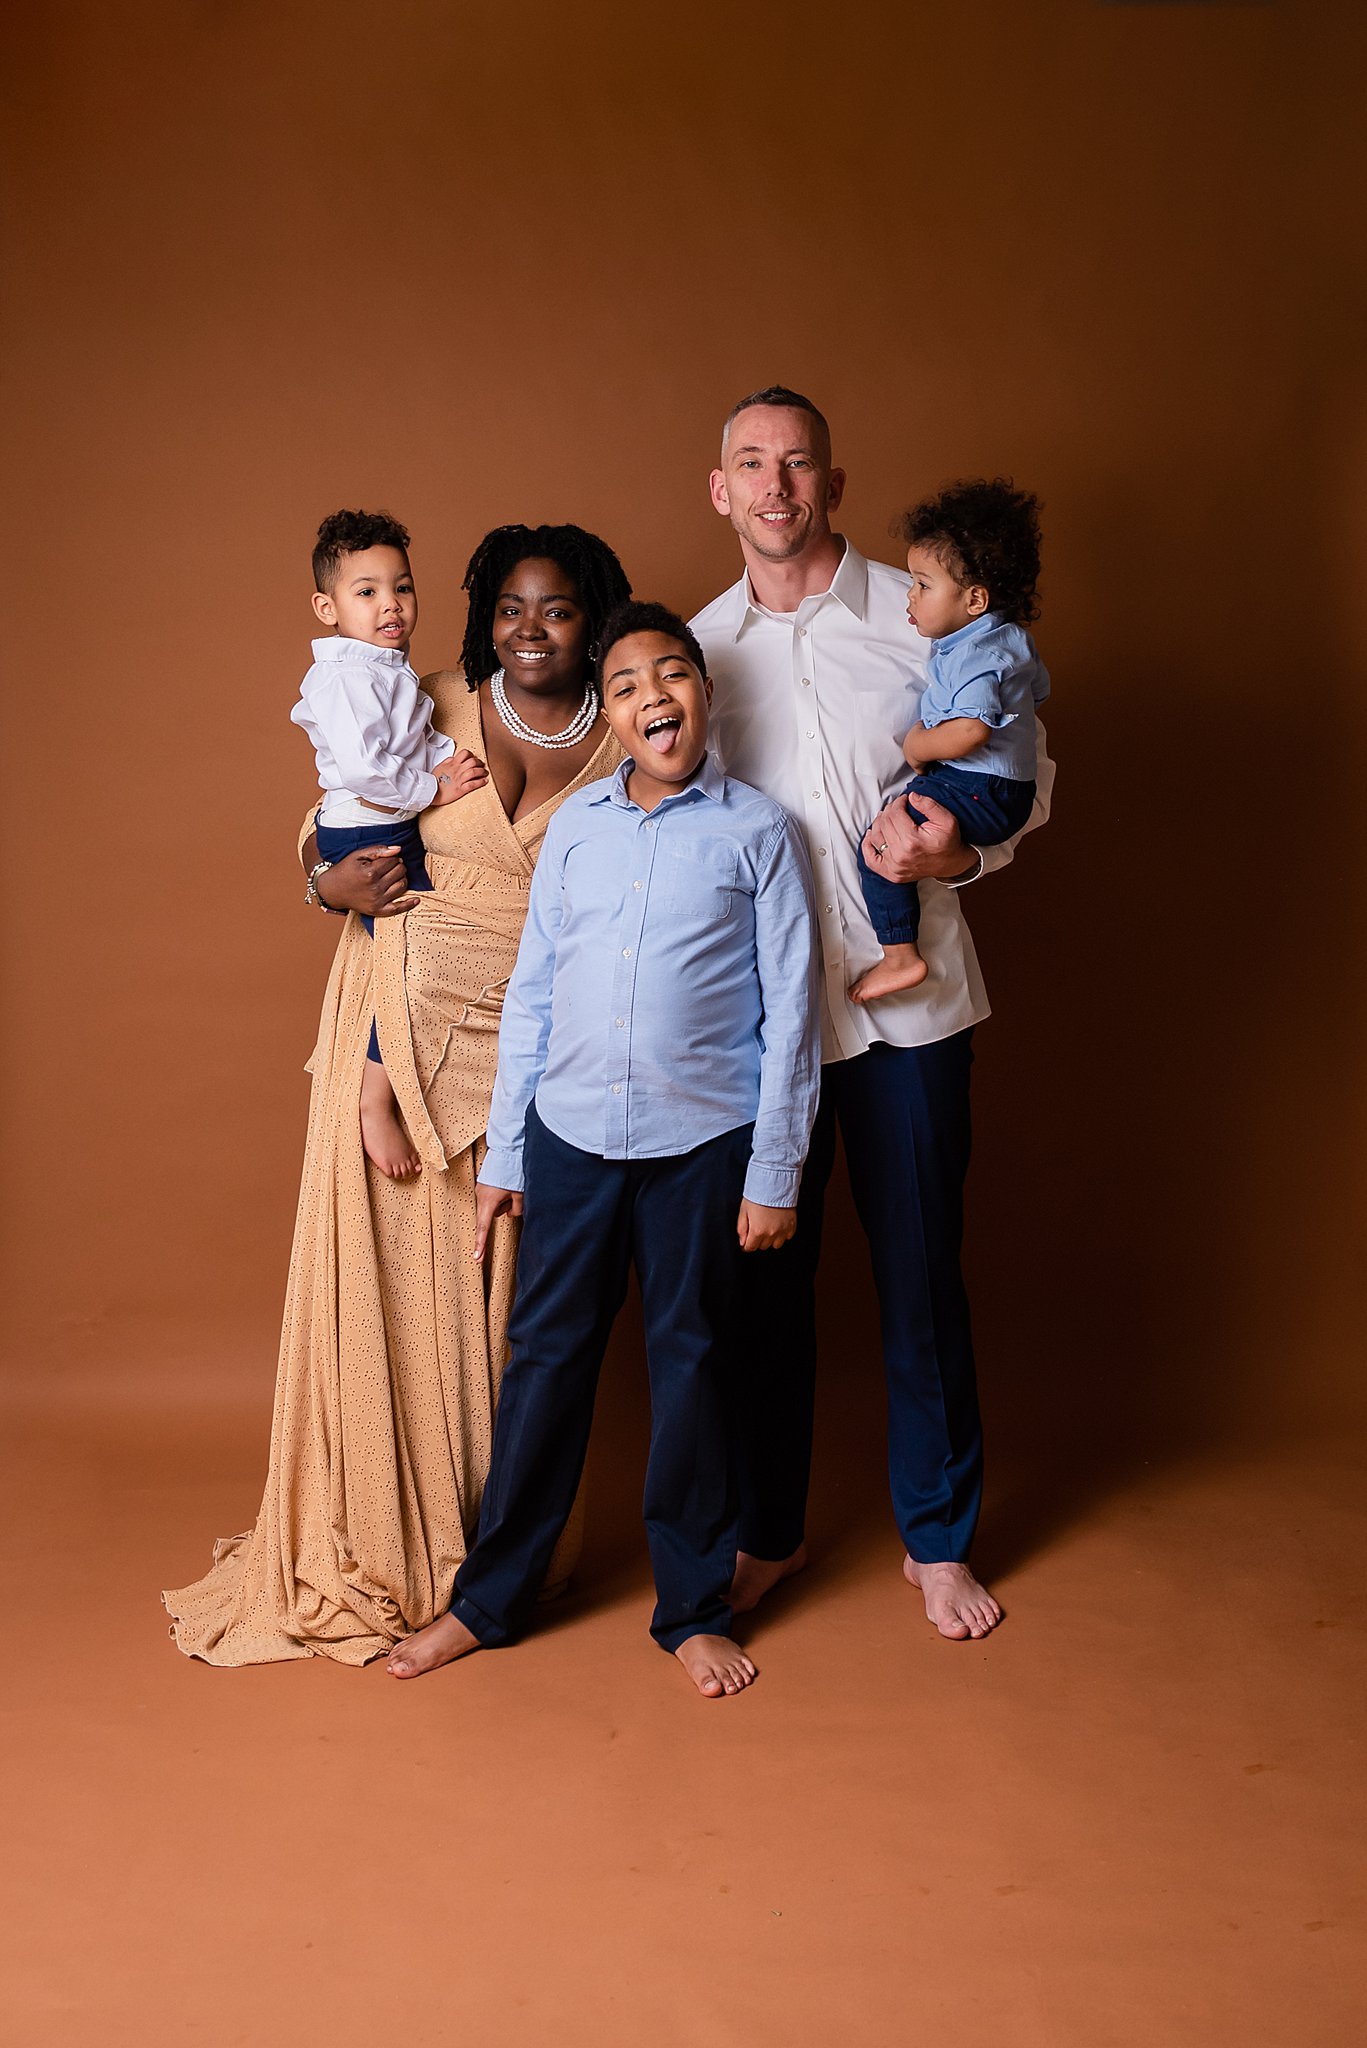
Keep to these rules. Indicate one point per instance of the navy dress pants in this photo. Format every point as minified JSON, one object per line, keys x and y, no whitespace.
{"x":587,"y":1219}
{"x":904,"y":1117}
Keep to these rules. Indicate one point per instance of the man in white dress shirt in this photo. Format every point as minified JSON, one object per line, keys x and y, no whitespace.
{"x":817,"y":674}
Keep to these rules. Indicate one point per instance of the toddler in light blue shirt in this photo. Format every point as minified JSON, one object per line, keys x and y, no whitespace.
{"x":973,"y":557}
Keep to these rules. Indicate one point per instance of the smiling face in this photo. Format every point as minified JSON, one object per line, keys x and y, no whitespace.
{"x":540,"y":629}
{"x":776,"y":484}
{"x":373,"y":599}
{"x":655,"y":699}
{"x":936,"y":604}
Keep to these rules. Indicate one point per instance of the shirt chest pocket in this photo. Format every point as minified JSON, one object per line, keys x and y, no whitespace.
{"x":695,"y":880}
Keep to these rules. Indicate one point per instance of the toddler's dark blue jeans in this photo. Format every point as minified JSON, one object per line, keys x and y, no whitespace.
{"x":989,"y":808}
{"x":336,"y":841}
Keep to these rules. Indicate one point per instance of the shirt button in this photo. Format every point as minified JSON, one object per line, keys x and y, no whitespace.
{"x":620,"y":1022}
{"x":821,"y":850}
{"x":806,"y":682}
{"x":626,"y":952}
{"x":811,"y":735}
{"x":616,"y":1087}
{"x":816,"y":792}
{"x":829,"y":908}
{"x":650,"y":824}
{"x":635,"y":885}
{"x":802,"y":632}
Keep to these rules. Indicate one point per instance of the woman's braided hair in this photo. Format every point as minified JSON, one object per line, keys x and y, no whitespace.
{"x":598,"y":577}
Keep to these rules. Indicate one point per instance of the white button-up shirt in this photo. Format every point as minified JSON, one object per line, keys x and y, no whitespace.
{"x":811,"y":706}
{"x":371,"y":728}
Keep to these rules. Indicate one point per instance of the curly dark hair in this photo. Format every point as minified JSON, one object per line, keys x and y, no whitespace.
{"x":598,"y":577}
{"x":983,"y":532}
{"x":637,"y":616}
{"x":351,"y":533}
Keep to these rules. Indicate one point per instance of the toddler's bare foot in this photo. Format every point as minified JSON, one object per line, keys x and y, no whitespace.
{"x":441,"y":1642}
{"x":955,"y":1602}
{"x":756,"y":1576}
{"x":386,"y":1141}
{"x":900,"y":967}
{"x":715,"y":1666}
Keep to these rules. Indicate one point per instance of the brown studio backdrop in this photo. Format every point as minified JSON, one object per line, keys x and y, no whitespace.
{"x":476,"y":267}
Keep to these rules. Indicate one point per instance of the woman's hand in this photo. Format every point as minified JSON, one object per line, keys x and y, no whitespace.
{"x":764,"y":1230}
{"x":900,"y":850}
{"x":491,"y":1202}
{"x":458,"y":776}
{"x":373,"y":880}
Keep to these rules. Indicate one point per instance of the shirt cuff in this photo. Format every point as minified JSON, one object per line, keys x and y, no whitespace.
{"x":971,"y":875}
{"x":429,"y":783}
{"x":444,"y":748}
{"x":773,"y":1187}
{"x":501,"y":1169}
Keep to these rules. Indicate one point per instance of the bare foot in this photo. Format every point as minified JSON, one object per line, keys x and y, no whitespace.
{"x":955,"y":1602}
{"x":386,"y":1141}
{"x":715,"y":1666}
{"x":441,"y":1642}
{"x":756,"y":1576}
{"x":900,"y":967}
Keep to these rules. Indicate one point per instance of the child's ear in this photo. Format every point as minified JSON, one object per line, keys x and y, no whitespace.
{"x":707,"y":689}
{"x":979,"y":598}
{"x":325,"y":609}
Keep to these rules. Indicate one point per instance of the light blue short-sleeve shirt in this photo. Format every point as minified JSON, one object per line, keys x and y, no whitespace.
{"x":989,"y":670}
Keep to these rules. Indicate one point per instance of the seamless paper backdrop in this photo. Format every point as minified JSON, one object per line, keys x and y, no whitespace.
{"x":475,"y":265}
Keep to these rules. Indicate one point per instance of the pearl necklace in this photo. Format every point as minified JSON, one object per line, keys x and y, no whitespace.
{"x":578,"y":728}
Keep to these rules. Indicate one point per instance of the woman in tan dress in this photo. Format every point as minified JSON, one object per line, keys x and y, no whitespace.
{"x":394,"y":1339}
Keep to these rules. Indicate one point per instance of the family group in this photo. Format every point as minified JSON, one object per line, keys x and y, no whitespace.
{"x":639,"y":912}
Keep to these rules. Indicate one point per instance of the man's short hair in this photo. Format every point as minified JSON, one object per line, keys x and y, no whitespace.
{"x":777,"y":395}
{"x":351,"y":533}
{"x":638,"y":616}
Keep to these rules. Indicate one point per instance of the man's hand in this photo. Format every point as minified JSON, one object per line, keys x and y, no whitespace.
{"x":491,"y":1202}
{"x":373,"y":880}
{"x":458,"y":776}
{"x":764,"y":1230}
{"x":900,"y":850}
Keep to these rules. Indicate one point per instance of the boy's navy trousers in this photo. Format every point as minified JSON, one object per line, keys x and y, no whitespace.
{"x":904,"y":1119}
{"x":586,"y":1221}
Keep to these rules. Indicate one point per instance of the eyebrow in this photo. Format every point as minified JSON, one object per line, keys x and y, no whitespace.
{"x":657,"y":661}
{"x":552,"y":597}
{"x":758,"y":448}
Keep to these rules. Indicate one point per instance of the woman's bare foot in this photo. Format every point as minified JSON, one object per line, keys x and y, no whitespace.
{"x":756,"y":1576}
{"x":900,"y":967}
{"x":387,"y":1143}
{"x":715,"y":1666}
{"x":441,"y":1642}
{"x":955,"y":1602}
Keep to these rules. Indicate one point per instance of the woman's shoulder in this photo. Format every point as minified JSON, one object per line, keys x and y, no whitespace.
{"x":451,"y":695}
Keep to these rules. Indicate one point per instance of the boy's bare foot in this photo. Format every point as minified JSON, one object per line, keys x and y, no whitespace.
{"x":900,"y":967}
{"x":756,"y":1576}
{"x":441,"y":1642}
{"x":387,"y":1143}
{"x":715,"y":1666}
{"x":955,"y":1602}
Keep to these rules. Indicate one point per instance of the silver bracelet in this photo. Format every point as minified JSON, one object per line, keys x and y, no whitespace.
{"x":311,"y":896}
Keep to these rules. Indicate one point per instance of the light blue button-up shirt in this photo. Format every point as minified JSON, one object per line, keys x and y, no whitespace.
{"x":665,"y":986}
{"x":989,"y":670}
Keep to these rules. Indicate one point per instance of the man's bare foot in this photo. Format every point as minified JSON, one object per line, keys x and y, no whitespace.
{"x":715,"y":1666}
{"x":900,"y":967}
{"x":441,"y":1642}
{"x":955,"y":1602}
{"x":756,"y":1576}
{"x":387,"y":1143}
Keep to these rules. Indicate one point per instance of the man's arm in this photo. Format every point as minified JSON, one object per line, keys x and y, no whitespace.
{"x":525,"y":1030}
{"x":900,"y":850}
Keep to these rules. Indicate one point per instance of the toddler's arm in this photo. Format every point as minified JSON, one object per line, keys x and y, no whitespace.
{"x":948,"y":741}
{"x":460,"y":774}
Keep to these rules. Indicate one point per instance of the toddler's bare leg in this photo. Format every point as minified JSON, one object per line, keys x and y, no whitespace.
{"x":900,"y":967}
{"x":386,"y":1141}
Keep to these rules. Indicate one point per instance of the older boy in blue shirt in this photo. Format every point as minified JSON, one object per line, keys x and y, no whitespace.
{"x":658,"y":1071}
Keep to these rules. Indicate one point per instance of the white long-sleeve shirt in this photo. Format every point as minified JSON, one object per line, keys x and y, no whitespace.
{"x":810,"y":707}
{"x":371,"y":728}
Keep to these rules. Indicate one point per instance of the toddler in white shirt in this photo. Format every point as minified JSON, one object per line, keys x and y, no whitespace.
{"x":379,"y":760}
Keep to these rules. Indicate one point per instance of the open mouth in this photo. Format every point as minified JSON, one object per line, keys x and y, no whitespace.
{"x":661,"y":733}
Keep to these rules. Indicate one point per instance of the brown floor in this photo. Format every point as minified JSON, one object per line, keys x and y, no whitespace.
{"x":1134,"y":1816}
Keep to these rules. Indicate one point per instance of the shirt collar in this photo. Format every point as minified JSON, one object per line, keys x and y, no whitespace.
{"x":338,"y":648}
{"x":709,"y":781}
{"x":850,"y":584}
{"x":986,"y":624}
